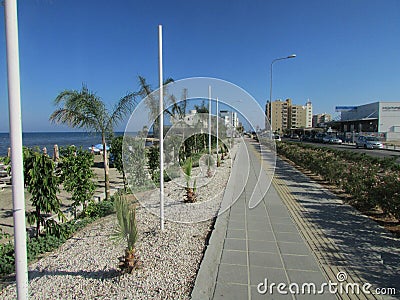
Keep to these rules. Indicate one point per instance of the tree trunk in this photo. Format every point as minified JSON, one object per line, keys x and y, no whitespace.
{"x":37,"y":222}
{"x":106,"y":169}
{"x":124,"y":179}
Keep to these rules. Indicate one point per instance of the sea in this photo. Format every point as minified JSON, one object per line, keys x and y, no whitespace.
{"x":49,"y":139}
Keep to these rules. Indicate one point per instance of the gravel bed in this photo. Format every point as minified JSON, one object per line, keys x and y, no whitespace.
{"x":85,"y":267}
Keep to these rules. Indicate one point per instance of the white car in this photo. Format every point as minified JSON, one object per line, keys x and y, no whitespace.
{"x":369,"y":142}
{"x":277,"y":138}
{"x":335,"y":140}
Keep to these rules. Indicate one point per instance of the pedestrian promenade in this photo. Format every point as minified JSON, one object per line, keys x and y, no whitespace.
{"x":299,"y":235}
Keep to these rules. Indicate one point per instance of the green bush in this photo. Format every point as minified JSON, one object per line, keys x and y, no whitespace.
{"x":371,"y":182}
{"x":100,"y":209}
{"x":6,"y":254}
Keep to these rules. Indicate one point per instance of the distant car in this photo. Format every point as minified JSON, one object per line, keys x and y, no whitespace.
{"x":326,"y":139}
{"x":319,"y":137}
{"x":277,"y":138}
{"x":295,"y":136}
{"x":335,"y":140}
{"x":369,"y":142}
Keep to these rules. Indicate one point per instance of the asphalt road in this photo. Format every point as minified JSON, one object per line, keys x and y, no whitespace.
{"x":373,"y":152}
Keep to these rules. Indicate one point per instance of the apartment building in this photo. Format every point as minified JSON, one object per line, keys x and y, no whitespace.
{"x":230,"y":118}
{"x":319,"y":119}
{"x":286,"y":115}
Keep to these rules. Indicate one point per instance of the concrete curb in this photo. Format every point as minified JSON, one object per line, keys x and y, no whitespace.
{"x":207,"y":275}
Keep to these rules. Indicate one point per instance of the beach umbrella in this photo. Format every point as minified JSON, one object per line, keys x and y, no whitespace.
{"x":100,"y":147}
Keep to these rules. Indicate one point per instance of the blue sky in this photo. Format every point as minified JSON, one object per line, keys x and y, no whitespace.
{"x":347,"y":50}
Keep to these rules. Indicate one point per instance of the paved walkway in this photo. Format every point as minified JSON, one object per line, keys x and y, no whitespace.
{"x":298,"y":234}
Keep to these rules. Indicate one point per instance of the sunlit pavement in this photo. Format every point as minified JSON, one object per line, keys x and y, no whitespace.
{"x":299,"y":234}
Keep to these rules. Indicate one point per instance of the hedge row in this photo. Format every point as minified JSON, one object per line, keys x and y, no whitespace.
{"x":371,"y":182}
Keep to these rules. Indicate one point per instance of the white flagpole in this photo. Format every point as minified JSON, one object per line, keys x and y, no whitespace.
{"x":14,"y":102}
{"x":217,"y":129}
{"x":161,"y":113}
{"x":209,"y":119}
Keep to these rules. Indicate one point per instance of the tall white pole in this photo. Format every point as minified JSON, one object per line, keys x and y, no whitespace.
{"x":209,"y":120}
{"x":217,"y":128}
{"x":161,"y":113}
{"x":14,"y":102}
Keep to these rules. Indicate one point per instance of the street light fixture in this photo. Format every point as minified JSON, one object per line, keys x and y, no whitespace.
{"x":270,"y":89}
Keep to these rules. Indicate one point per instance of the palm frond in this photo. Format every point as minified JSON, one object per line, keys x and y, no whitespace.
{"x":82,"y":109}
{"x":124,"y":107}
{"x":126,"y":229}
{"x":168,"y":81}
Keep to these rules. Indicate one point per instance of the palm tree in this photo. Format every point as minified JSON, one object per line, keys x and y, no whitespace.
{"x":84,"y":109}
{"x":152,"y":103}
{"x":126,"y":231}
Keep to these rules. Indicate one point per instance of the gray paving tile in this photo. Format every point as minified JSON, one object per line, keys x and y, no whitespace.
{"x":232,"y":274}
{"x":294,"y":248}
{"x":257,"y":217}
{"x":234,"y":257}
{"x":324,"y":296}
{"x":236,"y":211}
{"x":277,"y":210}
{"x":253,"y":225}
{"x":285,"y":228}
{"x":236,"y":225}
{"x":230,"y":291}
{"x":259,"y":274}
{"x":236,"y":215}
{"x":238,"y":206}
{"x":275,"y":295}
{"x":263,"y":246}
{"x":259,"y":210}
{"x":310,"y":277}
{"x":238,"y":218}
{"x":235,"y":244}
{"x":280,"y":219}
{"x":262,"y":259}
{"x":288,"y":237}
{"x":300,"y":277}
{"x":236,"y":233}
{"x":260,"y":235}
{"x":304,"y":262}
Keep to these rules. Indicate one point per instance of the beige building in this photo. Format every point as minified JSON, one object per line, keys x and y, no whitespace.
{"x":285,"y":115}
{"x":320,"y":119}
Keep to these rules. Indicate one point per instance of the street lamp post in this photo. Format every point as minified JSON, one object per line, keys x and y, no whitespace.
{"x":270,"y":88}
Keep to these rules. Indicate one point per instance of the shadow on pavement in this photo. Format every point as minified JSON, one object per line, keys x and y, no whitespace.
{"x":368,"y":248}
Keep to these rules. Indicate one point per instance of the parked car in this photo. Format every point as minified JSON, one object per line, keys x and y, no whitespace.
{"x":335,"y":140}
{"x":277,"y":138}
{"x":319,"y":137}
{"x":326,"y":138}
{"x":295,"y":136}
{"x":369,"y":142}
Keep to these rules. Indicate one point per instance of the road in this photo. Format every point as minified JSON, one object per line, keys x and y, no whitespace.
{"x":373,"y":152}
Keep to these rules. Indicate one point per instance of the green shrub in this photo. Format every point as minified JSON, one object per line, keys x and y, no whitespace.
{"x":6,"y":254}
{"x":100,"y":209}
{"x":370,"y":181}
